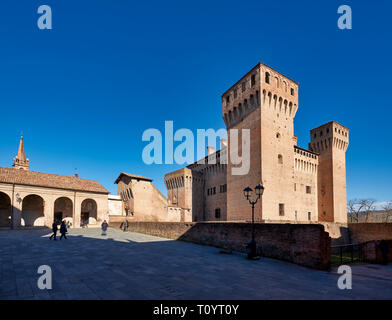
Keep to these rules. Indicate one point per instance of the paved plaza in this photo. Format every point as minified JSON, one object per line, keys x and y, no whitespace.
{"x":126,"y":265}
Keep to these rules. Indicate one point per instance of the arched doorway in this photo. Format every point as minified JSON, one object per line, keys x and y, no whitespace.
{"x":5,"y":210}
{"x":88,"y":212}
{"x":33,"y":211}
{"x":63,"y":210}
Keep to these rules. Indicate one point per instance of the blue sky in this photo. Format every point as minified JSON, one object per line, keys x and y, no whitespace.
{"x":84,"y":92}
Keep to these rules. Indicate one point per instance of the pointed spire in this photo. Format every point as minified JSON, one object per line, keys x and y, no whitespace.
{"x":21,"y":153}
{"x":20,"y":161}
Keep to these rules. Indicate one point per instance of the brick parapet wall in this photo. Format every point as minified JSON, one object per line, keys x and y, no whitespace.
{"x":363,"y":232}
{"x":372,"y":253}
{"x":307,"y":245}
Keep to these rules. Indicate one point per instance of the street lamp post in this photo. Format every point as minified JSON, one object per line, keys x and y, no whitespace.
{"x":259,"y":189}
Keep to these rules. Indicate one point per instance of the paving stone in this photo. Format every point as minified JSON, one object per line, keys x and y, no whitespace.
{"x":128,"y":265}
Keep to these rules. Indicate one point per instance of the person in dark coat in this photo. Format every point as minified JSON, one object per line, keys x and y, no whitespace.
{"x":54,"y":229}
{"x":63,"y":230}
{"x":126,"y":225}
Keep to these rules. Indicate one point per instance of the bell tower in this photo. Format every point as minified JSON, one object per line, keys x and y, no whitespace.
{"x":20,"y":161}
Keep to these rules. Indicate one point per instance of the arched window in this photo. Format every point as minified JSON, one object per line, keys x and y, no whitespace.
{"x":253,"y":80}
{"x":267,"y":77}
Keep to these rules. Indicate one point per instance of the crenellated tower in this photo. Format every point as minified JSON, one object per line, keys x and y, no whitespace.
{"x":331,"y":141}
{"x":265,"y":102}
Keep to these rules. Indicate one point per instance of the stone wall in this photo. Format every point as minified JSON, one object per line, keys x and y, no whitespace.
{"x":338,"y":232}
{"x":371,"y":251}
{"x":363,"y":232}
{"x":307,"y":245}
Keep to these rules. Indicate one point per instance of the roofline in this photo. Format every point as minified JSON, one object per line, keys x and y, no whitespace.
{"x":330,"y":122}
{"x":258,"y":65}
{"x":59,"y":188}
{"x":306,"y":150}
{"x":131,"y":176}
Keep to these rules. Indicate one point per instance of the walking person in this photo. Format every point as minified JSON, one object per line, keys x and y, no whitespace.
{"x":125,"y":225}
{"x":63,"y":230}
{"x":54,"y":229}
{"x":104,"y":227}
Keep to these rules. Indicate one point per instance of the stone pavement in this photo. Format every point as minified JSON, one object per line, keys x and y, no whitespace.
{"x":125,"y":265}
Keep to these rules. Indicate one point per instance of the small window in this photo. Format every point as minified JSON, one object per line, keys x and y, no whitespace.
{"x":321,"y":133}
{"x":308,"y":189}
{"x":217,"y":213}
{"x":267,"y":77}
{"x":281,"y":209}
{"x":295,"y":187}
{"x":227,"y":99}
{"x":309,"y":216}
{"x":243,"y":86}
{"x":292,"y":91}
{"x":280,"y":159}
{"x":315,"y":135}
{"x":235,"y":93}
{"x":208,"y":191}
{"x":223,"y":188}
{"x":296,"y":215}
{"x":253,"y":80}
{"x":278,"y":135}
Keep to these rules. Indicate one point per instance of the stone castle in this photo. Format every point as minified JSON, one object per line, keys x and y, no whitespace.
{"x":300,"y":184}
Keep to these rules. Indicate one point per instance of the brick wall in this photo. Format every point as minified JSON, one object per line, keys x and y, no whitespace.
{"x":307,"y":245}
{"x":372,"y":253}
{"x":363,"y":232}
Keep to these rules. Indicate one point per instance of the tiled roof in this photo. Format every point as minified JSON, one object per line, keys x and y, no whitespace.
{"x":132,"y":176}
{"x":33,"y":178}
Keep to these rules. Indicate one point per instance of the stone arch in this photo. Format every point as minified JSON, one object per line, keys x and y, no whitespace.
{"x":63,"y":210}
{"x":33,"y":211}
{"x":5,"y":210}
{"x":89,"y":212}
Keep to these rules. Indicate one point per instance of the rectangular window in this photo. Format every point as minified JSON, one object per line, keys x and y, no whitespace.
{"x":235,"y":93}
{"x":296,"y":215}
{"x":308,"y":189}
{"x":217,"y":213}
{"x":281,"y":209}
{"x":295,"y":187}
{"x":208,"y":192}
{"x":228,"y":100}
{"x":222,"y":188}
{"x":292,"y":91}
{"x":243,"y":86}
{"x":309,"y":216}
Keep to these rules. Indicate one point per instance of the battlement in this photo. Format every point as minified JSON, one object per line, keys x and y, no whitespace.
{"x":328,"y":136}
{"x":261,"y":86}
